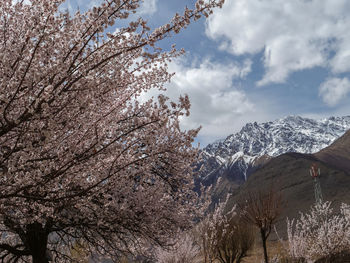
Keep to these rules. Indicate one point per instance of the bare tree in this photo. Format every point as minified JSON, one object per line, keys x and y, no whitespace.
{"x":234,"y":239}
{"x":261,"y":209}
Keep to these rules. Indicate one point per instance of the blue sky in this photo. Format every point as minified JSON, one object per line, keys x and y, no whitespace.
{"x":258,"y":60}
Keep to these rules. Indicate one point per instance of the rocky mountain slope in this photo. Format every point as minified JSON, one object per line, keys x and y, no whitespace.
{"x":338,"y":153}
{"x":240,"y":154}
{"x":289,"y":174}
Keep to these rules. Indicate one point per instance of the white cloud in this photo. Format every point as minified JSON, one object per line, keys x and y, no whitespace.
{"x":294,"y":35}
{"x":73,"y":5}
{"x":334,"y":90}
{"x":217,"y":102}
{"x":148,"y":7}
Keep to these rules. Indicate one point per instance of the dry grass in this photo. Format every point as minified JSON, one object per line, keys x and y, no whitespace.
{"x":274,"y":248}
{"x":256,"y":255}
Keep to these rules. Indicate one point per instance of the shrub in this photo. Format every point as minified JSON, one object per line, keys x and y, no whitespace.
{"x":319,"y":233}
{"x":185,"y":250}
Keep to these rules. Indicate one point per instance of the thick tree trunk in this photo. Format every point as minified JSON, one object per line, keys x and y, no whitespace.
{"x":39,"y":259}
{"x":37,"y":243}
{"x":263,"y":239}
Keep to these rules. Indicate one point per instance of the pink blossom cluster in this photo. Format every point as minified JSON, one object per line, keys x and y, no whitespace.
{"x":81,"y":160}
{"x":185,"y":250}
{"x":211,"y":228}
{"x":319,"y":233}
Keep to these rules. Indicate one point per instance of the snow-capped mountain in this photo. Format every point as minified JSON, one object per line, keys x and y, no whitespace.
{"x":241,"y":153}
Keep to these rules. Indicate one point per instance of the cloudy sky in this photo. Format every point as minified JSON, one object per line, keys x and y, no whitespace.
{"x":258,"y":60}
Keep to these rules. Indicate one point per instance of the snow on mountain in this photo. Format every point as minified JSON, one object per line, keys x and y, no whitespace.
{"x":239,"y":153}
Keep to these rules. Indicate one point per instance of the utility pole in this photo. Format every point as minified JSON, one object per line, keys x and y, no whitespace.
{"x":315,"y":172}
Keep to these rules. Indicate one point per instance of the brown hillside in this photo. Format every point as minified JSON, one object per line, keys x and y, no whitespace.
{"x":337,"y":154}
{"x":289,"y":173}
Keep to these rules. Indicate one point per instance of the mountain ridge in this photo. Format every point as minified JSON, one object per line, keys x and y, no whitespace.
{"x":241,"y":153}
{"x":289,"y":174}
{"x":338,"y":153}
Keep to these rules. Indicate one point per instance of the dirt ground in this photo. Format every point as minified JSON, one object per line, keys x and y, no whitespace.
{"x":256,"y":255}
{"x":274,"y":248}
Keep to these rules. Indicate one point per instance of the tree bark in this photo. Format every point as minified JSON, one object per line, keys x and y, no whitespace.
{"x":39,"y":259}
{"x":37,"y":242}
{"x":263,"y":239}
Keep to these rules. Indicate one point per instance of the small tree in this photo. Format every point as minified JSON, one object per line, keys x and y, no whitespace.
{"x":185,"y":250}
{"x":206,"y":235}
{"x":319,"y":233}
{"x":207,"y":231}
{"x":223,"y":236}
{"x":80,"y":157}
{"x":234,"y":239}
{"x":261,"y":209}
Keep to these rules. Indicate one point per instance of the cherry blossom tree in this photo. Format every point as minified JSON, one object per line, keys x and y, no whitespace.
{"x":208,"y":234}
{"x":185,"y":250}
{"x":210,"y":230}
{"x":319,"y":233}
{"x":82,"y":160}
